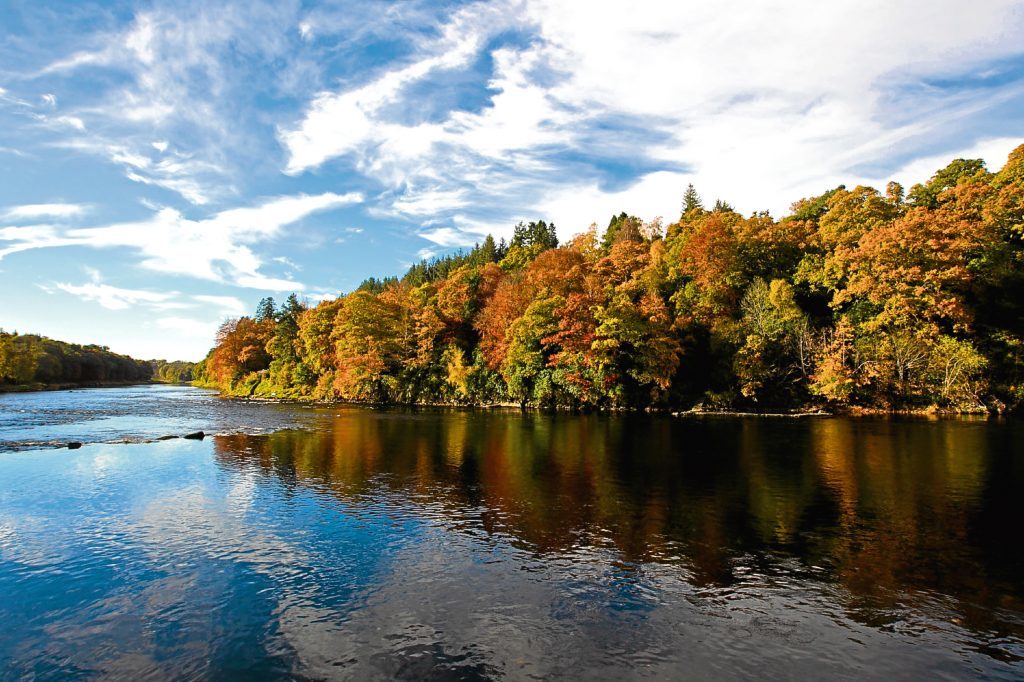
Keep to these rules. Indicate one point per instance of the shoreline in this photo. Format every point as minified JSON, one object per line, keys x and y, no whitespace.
{"x":40,"y":388}
{"x":931,"y":412}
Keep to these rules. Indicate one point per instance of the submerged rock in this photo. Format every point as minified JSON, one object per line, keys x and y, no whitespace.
{"x":167,"y":437}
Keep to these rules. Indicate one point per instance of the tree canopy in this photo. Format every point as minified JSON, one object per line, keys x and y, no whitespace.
{"x":857,"y":298}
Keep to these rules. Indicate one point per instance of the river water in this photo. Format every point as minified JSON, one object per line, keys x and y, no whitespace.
{"x":431,"y":544}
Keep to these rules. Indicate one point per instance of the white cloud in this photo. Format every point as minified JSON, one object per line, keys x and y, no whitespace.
{"x":77,"y":60}
{"x":429,"y":202}
{"x":160,"y":146}
{"x":425,"y":253}
{"x":768,"y":99}
{"x":337,"y":124}
{"x":574,"y":208}
{"x":193,"y":179}
{"x":228,"y":304}
{"x":33,"y":211}
{"x":189,"y":188}
{"x":287,"y":262}
{"x":69,"y":121}
{"x":114,"y":298}
{"x":319,"y":296}
{"x":215,"y":249}
{"x":758,"y":104}
{"x":447,"y":237}
{"x":23,"y":238}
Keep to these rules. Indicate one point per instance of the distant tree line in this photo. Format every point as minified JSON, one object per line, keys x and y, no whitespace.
{"x":31,"y":359}
{"x":858,"y":298}
{"x":175,"y":372}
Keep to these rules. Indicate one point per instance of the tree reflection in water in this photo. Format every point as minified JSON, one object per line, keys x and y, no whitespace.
{"x":895,"y":517}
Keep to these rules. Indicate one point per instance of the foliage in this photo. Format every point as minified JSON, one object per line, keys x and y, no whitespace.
{"x":176,"y":372}
{"x":30,"y":359}
{"x":858,"y":298}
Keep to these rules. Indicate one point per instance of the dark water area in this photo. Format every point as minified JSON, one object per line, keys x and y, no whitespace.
{"x":499,"y":545}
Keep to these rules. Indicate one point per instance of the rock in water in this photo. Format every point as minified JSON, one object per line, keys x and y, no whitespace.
{"x":198,"y":435}
{"x":74,"y":445}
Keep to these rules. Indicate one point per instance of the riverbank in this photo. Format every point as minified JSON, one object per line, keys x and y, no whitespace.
{"x":800,"y":412}
{"x":35,"y":387}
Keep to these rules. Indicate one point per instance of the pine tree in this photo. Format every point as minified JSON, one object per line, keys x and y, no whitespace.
{"x":265,"y":310}
{"x":691,"y":200}
{"x":488,"y":251}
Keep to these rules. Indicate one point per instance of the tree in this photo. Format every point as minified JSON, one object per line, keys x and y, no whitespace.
{"x":622,"y":227}
{"x":19,"y":358}
{"x":489,"y":251}
{"x":691,"y":200}
{"x":776,"y":351}
{"x":286,"y":370}
{"x":706,"y":266}
{"x":265,"y":310}
{"x":241,"y":352}
{"x":955,"y":367}
{"x":536,"y":233}
{"x":927,"y":195}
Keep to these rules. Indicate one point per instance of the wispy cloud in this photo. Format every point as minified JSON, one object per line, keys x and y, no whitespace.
{"x":447,"y":236}
{"x":36,"y":211}
{"x":215,"y":248}
{"x":111,"y":297}
{"x":196,"y":180}
{"x":227,"y":304}
{"x":174,"y":70}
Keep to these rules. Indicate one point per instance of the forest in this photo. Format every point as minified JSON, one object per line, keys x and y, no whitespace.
{"x":31,"y":360}
{"x":173,"y":372}
{"x":858,"y":299}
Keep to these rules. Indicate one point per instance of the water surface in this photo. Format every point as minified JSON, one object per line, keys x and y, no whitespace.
{"x":478,"y":545}
{"x":135,"y":414}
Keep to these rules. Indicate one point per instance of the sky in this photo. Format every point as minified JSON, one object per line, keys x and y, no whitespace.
{"x":165,"y":165}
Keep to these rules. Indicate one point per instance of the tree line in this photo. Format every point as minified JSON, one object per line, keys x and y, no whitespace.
{"x":857,"y":298}
{"x":27,"y":359}
{"x":173,"y":372}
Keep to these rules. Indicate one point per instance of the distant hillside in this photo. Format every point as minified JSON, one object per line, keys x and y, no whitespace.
{"x":28,"y":360}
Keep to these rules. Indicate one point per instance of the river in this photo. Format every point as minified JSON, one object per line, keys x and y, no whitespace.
{"x":351,"y":543}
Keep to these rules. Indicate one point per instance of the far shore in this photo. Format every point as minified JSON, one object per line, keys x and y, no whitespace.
{"x":36,"y":387}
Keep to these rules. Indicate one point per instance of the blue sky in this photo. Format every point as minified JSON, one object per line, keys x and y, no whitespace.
{"x":164,"y":165}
